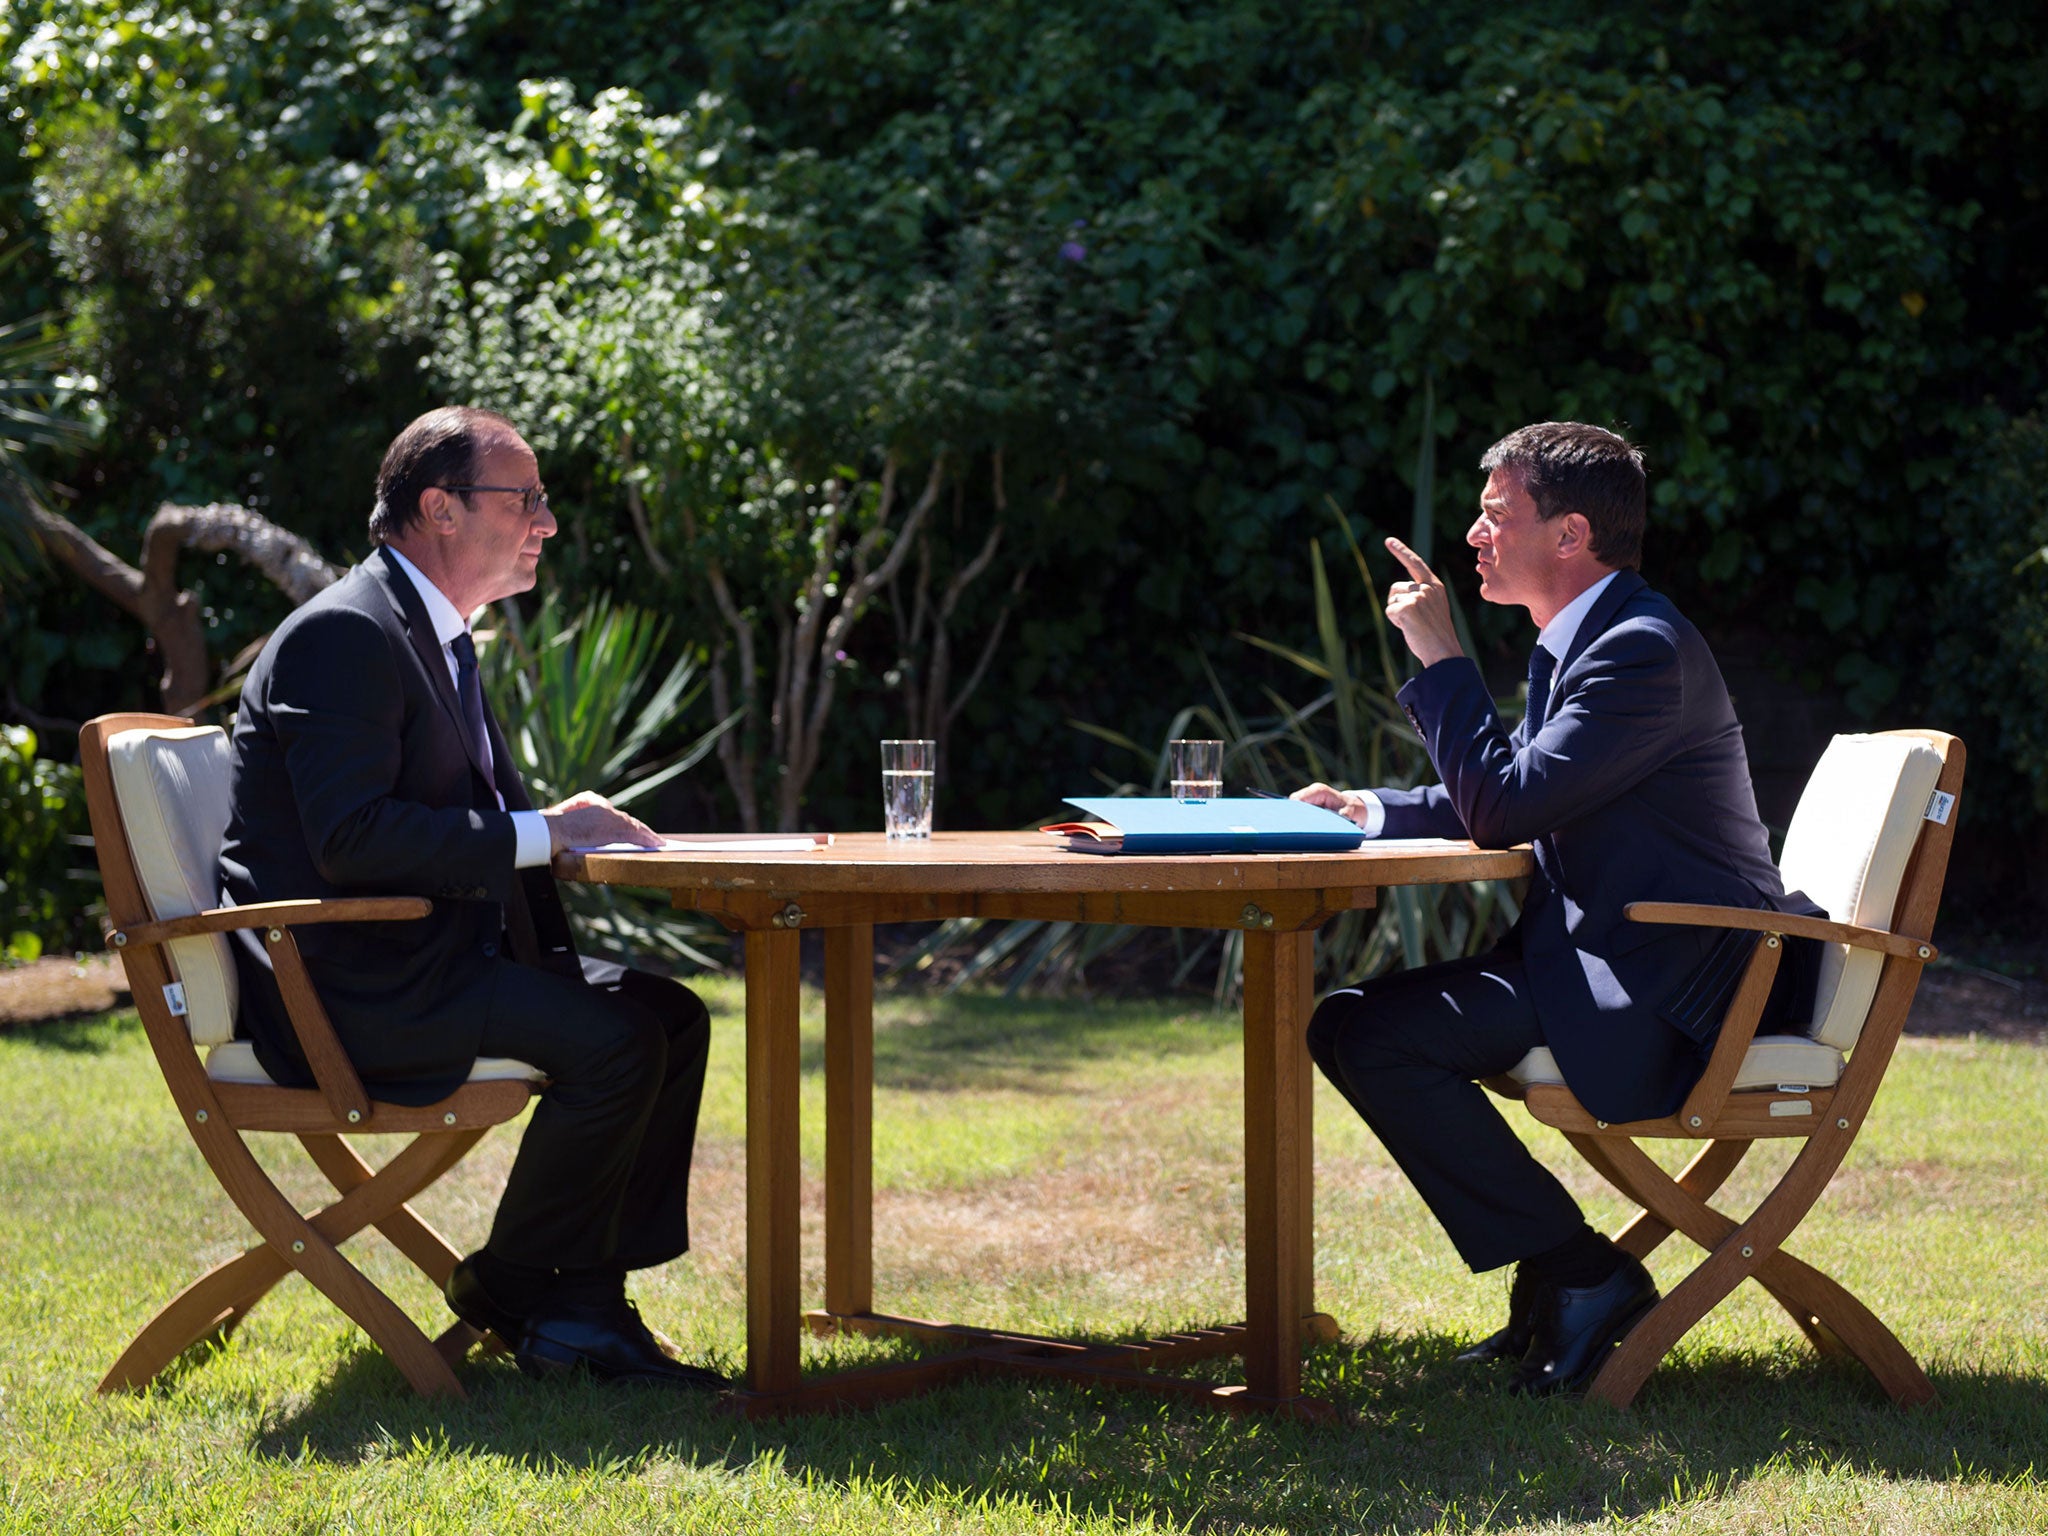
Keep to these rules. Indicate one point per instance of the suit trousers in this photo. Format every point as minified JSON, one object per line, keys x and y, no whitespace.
{"x":602,"y":1176}
{"x":1405,"y":1050}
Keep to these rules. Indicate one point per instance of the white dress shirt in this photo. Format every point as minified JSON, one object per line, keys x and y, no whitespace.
{"x":1555,"y":637}
{"x":533,"y":847}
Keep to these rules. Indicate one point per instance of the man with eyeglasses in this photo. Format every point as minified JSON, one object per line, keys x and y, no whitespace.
{"x":367,"y":763}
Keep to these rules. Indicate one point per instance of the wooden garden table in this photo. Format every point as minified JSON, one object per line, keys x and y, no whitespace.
{"x":1277,"y":901}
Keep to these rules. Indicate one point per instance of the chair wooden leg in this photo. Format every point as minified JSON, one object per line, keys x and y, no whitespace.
{"x":1830,"y":1316}
{"x":1705,"y":1174}
{"x":1700,"y":1178}
{"x":404,"y":1228}
{"x":342,"y":1283}
{"x":454,"y":1342}
{"x":215,"y":1303}
{"x":1739,"y":1252}
{"x":1837,"y":1322}
{"x":307,"y":1245}
{"x":212,"y":1304}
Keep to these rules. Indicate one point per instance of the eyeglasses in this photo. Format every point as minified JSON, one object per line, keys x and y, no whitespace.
{"x":533,"y":499}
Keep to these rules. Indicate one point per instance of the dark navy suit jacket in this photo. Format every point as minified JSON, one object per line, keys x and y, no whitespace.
{"x":1635,"y":788}
{"x":353,"y":777}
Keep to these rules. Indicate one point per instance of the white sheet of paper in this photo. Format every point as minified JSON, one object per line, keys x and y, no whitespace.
{"x":714,"y":845}
{"x":1396,"y":844}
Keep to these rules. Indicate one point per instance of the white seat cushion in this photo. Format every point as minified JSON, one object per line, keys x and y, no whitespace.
{"x":235,"y":1062}
{"x":1789,"y":1062}
{"x":1847,"y":848}
{"x":172,"y":790}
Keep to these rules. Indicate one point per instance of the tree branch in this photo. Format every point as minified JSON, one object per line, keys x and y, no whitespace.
{"x":152,"y":594}
{"x":636,"y":508}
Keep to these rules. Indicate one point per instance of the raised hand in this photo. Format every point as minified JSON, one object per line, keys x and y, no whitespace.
{"x":1421,"y":609}
{"x":587,"y":820}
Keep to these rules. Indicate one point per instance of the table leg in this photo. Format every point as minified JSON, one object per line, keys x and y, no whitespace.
{"x":849,"y":1119}
{"x":1305,"y":1120}
{"x":1278,"y":970}
{"x":774,"y":1171}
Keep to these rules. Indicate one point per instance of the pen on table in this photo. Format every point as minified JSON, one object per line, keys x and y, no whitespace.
{"x":1262,"y":794}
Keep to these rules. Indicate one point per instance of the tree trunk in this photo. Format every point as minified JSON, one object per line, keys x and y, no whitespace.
{"x":924,"y":625}
{"x":152,"y":594}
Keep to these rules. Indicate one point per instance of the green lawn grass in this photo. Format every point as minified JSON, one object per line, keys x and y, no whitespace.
{"x":1052,"y":1165}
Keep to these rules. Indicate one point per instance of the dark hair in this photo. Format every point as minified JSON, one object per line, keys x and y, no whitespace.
{"x":439,"y":448}
{"x":1567,"y":466}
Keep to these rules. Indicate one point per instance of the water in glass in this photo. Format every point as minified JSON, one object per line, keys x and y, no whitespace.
{"x":907,"y":802}
{"x":1197,"y":769}
{"x":907,"y":784}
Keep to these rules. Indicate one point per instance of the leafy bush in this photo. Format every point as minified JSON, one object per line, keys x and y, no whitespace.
{"x":1988,"y":667}
{"x":1193,"y":268}
{"x":45,"y":902}
{"x":1788,"y":253}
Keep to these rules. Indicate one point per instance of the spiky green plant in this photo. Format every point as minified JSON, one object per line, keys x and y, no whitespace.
{"x":1352,"y":732}
{"x":574,"y":697}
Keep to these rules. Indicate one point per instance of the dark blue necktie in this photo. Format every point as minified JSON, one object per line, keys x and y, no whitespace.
{"x":1542,"y":666}
{"x":470,"y":694}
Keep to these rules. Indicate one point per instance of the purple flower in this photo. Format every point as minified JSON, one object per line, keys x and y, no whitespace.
{"x":1073,"y":250}
{"x":839,"y":655}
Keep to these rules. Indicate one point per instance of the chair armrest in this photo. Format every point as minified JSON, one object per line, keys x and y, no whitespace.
{"x":333,"y":1073}
{"x":274,"y":914}
{"x":1696,"y":915}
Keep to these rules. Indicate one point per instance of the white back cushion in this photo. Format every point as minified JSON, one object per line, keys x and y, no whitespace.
{"x":1847,"y":848}
{"x":172,"y":788}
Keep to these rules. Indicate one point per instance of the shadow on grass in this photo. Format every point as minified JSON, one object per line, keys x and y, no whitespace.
{"x":82,"y":1034}
{"x":978,"y":1041}
{"x":1426,"y":1444}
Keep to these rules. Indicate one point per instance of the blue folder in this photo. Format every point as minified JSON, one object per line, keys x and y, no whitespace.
{"x":1154,"y":825}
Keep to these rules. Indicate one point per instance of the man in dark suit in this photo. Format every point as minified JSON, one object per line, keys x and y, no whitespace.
{"x":366,"y":762}
{"x":1629,"y":776}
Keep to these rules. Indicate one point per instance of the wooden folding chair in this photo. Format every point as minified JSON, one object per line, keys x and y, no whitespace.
{"x":157,"y":790}
{"x":1869,"y":843}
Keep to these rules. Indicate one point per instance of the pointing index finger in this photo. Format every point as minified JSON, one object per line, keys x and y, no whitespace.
{"x":1412,"y":561}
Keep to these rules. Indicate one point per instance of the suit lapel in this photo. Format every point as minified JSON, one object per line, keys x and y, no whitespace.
{"x":412,"y":613}
{"x":1626,"y":584}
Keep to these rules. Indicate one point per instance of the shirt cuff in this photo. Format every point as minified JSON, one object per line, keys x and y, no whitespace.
{"x":1375,"y":814}
{"x":534,"y":846}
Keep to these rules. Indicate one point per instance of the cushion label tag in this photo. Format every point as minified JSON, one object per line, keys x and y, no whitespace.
{"x":1939,"y":805}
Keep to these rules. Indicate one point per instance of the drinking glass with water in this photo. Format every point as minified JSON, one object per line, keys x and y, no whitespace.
{"x":1197,"y":769}
{"x":909,"y":771}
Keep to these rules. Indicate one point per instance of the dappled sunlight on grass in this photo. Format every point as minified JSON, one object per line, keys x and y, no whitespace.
{"x":1054,"y":1167}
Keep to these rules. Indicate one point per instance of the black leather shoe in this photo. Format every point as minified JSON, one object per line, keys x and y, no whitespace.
{"x":610,"y":1342}
{"x":468,"y":1300}
{"x":1511,"y":1342}
{"x":1575,"y":1329}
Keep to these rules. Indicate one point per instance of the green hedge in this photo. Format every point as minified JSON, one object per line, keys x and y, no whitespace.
{"x":47,"y":902}
{"x":1796,"y":253}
